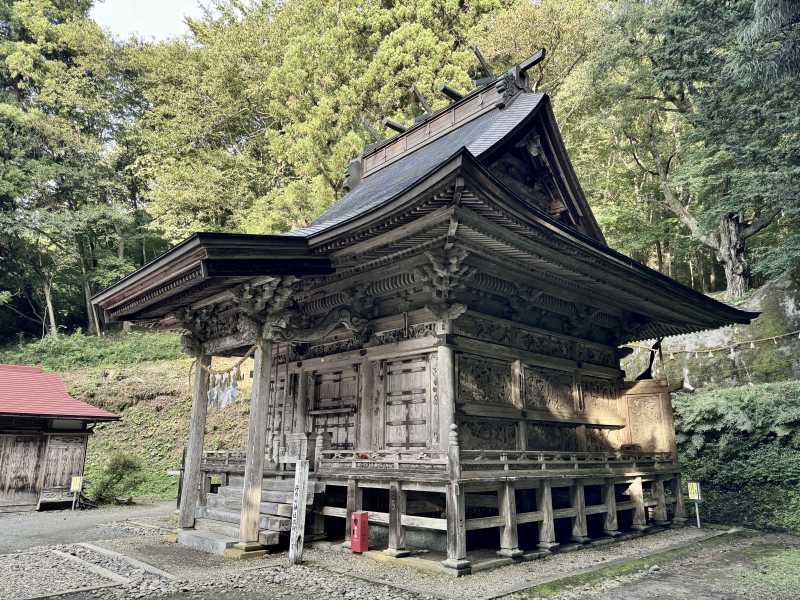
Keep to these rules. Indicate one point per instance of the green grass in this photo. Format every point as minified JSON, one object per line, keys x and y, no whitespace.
{"x":77,"y":350}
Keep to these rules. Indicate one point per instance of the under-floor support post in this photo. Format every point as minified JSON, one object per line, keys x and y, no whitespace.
{"x":507,"y":504}
{"x":353,"y":505}
{"x":660,"y":509}
{"x":578,"y":500}
{"x":544,"y":505}
{"x":250,"y":516}
{"x":456,"y":563}
{"x":679,"y":512}
{"x":610,"y":524}
{"x":397,"y":533}
{"x":194,"y":446}
{"x":636,"y":494}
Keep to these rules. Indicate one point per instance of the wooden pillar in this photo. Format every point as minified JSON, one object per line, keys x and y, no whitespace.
{"x":397,"y":533}
{"x":194,"y":446}
{"x":660,"y":509}
{"x":610,"y":525}
{"x":507,"y":505}
{"x":636,"y":494}
{"x":447,"y":392}
{"x":679,"y":512}
{"x":578,"y":501}
{"x":205,"y":488}
{"x":353,"y":504}
{"x":302,"y":408}
{"x":365,"y":411}
{"x":250,"y":516}
{"x":456,"y":562}
{"x":544,"y":505}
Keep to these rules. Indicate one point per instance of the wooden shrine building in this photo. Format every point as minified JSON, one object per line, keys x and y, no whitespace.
{"x":43,"y":438}
{"x":443,"y":344}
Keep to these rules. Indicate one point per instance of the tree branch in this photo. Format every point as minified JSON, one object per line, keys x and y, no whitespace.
{"x":759,"y":223}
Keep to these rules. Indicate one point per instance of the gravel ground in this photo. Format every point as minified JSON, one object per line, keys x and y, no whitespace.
{"x":504,"y":579}
{"x":178,"y":573}
{"x":35,"y":574}
{"x":22,"y":531}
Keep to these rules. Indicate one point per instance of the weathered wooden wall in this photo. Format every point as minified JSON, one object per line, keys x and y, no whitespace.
{"x":36,"y":466}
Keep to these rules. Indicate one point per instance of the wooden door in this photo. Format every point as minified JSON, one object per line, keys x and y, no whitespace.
{"x":407,"y":404}
{"x":334,"y":403}
{"x":20,"y":464}
{"x":65,"y":457}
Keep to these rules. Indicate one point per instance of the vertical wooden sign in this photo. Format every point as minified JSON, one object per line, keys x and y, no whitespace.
{"x":298,"y":512}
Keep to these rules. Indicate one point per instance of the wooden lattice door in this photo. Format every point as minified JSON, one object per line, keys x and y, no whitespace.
{"x":407,"y":404}
{"x":334,"y":404}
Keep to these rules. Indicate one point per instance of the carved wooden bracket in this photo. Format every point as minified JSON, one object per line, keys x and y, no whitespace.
{"x":446,"y":273}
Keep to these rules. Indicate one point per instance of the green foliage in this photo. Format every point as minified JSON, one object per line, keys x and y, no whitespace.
{"x":77,"y":350}
{"x":744,"y":445}
{"x":119,"y":477}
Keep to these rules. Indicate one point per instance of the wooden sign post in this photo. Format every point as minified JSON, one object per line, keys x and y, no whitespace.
{"x":298,"y":512}
{"x":75,"y":486}
{"x":696,"y":496}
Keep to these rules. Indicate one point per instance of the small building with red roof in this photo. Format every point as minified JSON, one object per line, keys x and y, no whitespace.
{"x":43,"y":437}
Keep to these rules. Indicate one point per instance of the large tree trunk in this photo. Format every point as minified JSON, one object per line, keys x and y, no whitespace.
{"x":731,"y":255}
{"x":47,"y":289}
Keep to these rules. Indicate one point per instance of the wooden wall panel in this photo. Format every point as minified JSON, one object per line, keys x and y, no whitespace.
{"x":407,"y":403}
{"x":334,"y":406}
{"x":65,"y":458}
{"x":20,"y":469}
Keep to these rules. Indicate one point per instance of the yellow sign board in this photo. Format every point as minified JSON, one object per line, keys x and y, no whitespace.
{"x":694,"y":491}
{"x":76,"y":485}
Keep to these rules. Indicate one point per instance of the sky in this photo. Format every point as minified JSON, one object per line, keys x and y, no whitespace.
{"x":147,"y":19}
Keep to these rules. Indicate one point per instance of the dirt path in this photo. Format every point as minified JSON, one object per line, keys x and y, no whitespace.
{"x":746,"y":566}
{"x":22,"y":531}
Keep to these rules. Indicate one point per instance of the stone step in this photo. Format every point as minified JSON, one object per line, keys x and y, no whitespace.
{"x":235,"y":503}
{"x":268,"y":522}
{"x":205,"y":541}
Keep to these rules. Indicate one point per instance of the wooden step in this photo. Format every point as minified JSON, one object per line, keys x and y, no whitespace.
{"x":235,"y":503}
{"x":267,"y":522}
{"x":279,"y":496}
{"x":277,"y":484}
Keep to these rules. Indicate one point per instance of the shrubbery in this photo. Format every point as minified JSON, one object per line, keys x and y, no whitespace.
{"x":743,"y":444}
{"x":77,"y":350}
{"x":118,"y":478}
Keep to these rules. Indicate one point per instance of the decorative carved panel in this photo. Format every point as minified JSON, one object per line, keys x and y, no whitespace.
{"x":601,"y":394}
{"x":552,"y":437}
{"x":510,"y":334}
{"x":600,"y":439}
{"x":548,"y":389}
{"x":487,"y":434}
{"x":647,"y":424}
{"x":483,"y":381}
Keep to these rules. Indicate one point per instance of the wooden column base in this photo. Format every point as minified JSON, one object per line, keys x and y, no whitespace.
{"x":510,"y":553}
{"x":457,"y":568}
{"x":581,"y":539}
{"x":548,"y":546}
{"x":245,"y":551}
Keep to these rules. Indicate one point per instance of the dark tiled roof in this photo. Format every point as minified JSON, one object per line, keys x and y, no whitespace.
{"x":477,"y":136}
